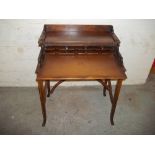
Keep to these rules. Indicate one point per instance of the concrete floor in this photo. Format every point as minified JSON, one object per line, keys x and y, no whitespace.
{"x":78,"y":110}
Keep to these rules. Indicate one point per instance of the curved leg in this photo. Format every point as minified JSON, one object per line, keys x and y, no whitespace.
{"x":117,"y":91}
{"x":104,"y":90}
{"x":105,"y":87}
{"x":48,"y":88}
{"x":113,"y":99}
{"x":42,"y":92}
{"x":110,"y":92}
{"x":56,"y":85}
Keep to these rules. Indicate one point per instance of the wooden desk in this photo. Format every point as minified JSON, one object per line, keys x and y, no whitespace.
{"x":79,"y":52}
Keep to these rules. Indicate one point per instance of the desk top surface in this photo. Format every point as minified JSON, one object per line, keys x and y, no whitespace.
{"x":85,"y":67}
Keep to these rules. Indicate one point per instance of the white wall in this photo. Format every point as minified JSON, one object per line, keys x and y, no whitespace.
{"x":19,"y":49}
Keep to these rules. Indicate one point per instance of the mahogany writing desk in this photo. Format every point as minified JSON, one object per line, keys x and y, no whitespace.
{"x":79,"y":52}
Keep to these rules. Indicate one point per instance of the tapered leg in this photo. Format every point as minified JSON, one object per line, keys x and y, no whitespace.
{"x":116,"y":95}
{"x":48,"y":88}
{"x":104,"y":89}
{"x":42,"y":92}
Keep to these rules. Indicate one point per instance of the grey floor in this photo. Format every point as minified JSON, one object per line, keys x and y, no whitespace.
{"x":78,"y":110}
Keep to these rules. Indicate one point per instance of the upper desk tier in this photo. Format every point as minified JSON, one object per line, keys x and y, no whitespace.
{"x":78,"y":35}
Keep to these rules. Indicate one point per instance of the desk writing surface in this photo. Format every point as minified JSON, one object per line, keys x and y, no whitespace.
{"x":81,"y":66}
